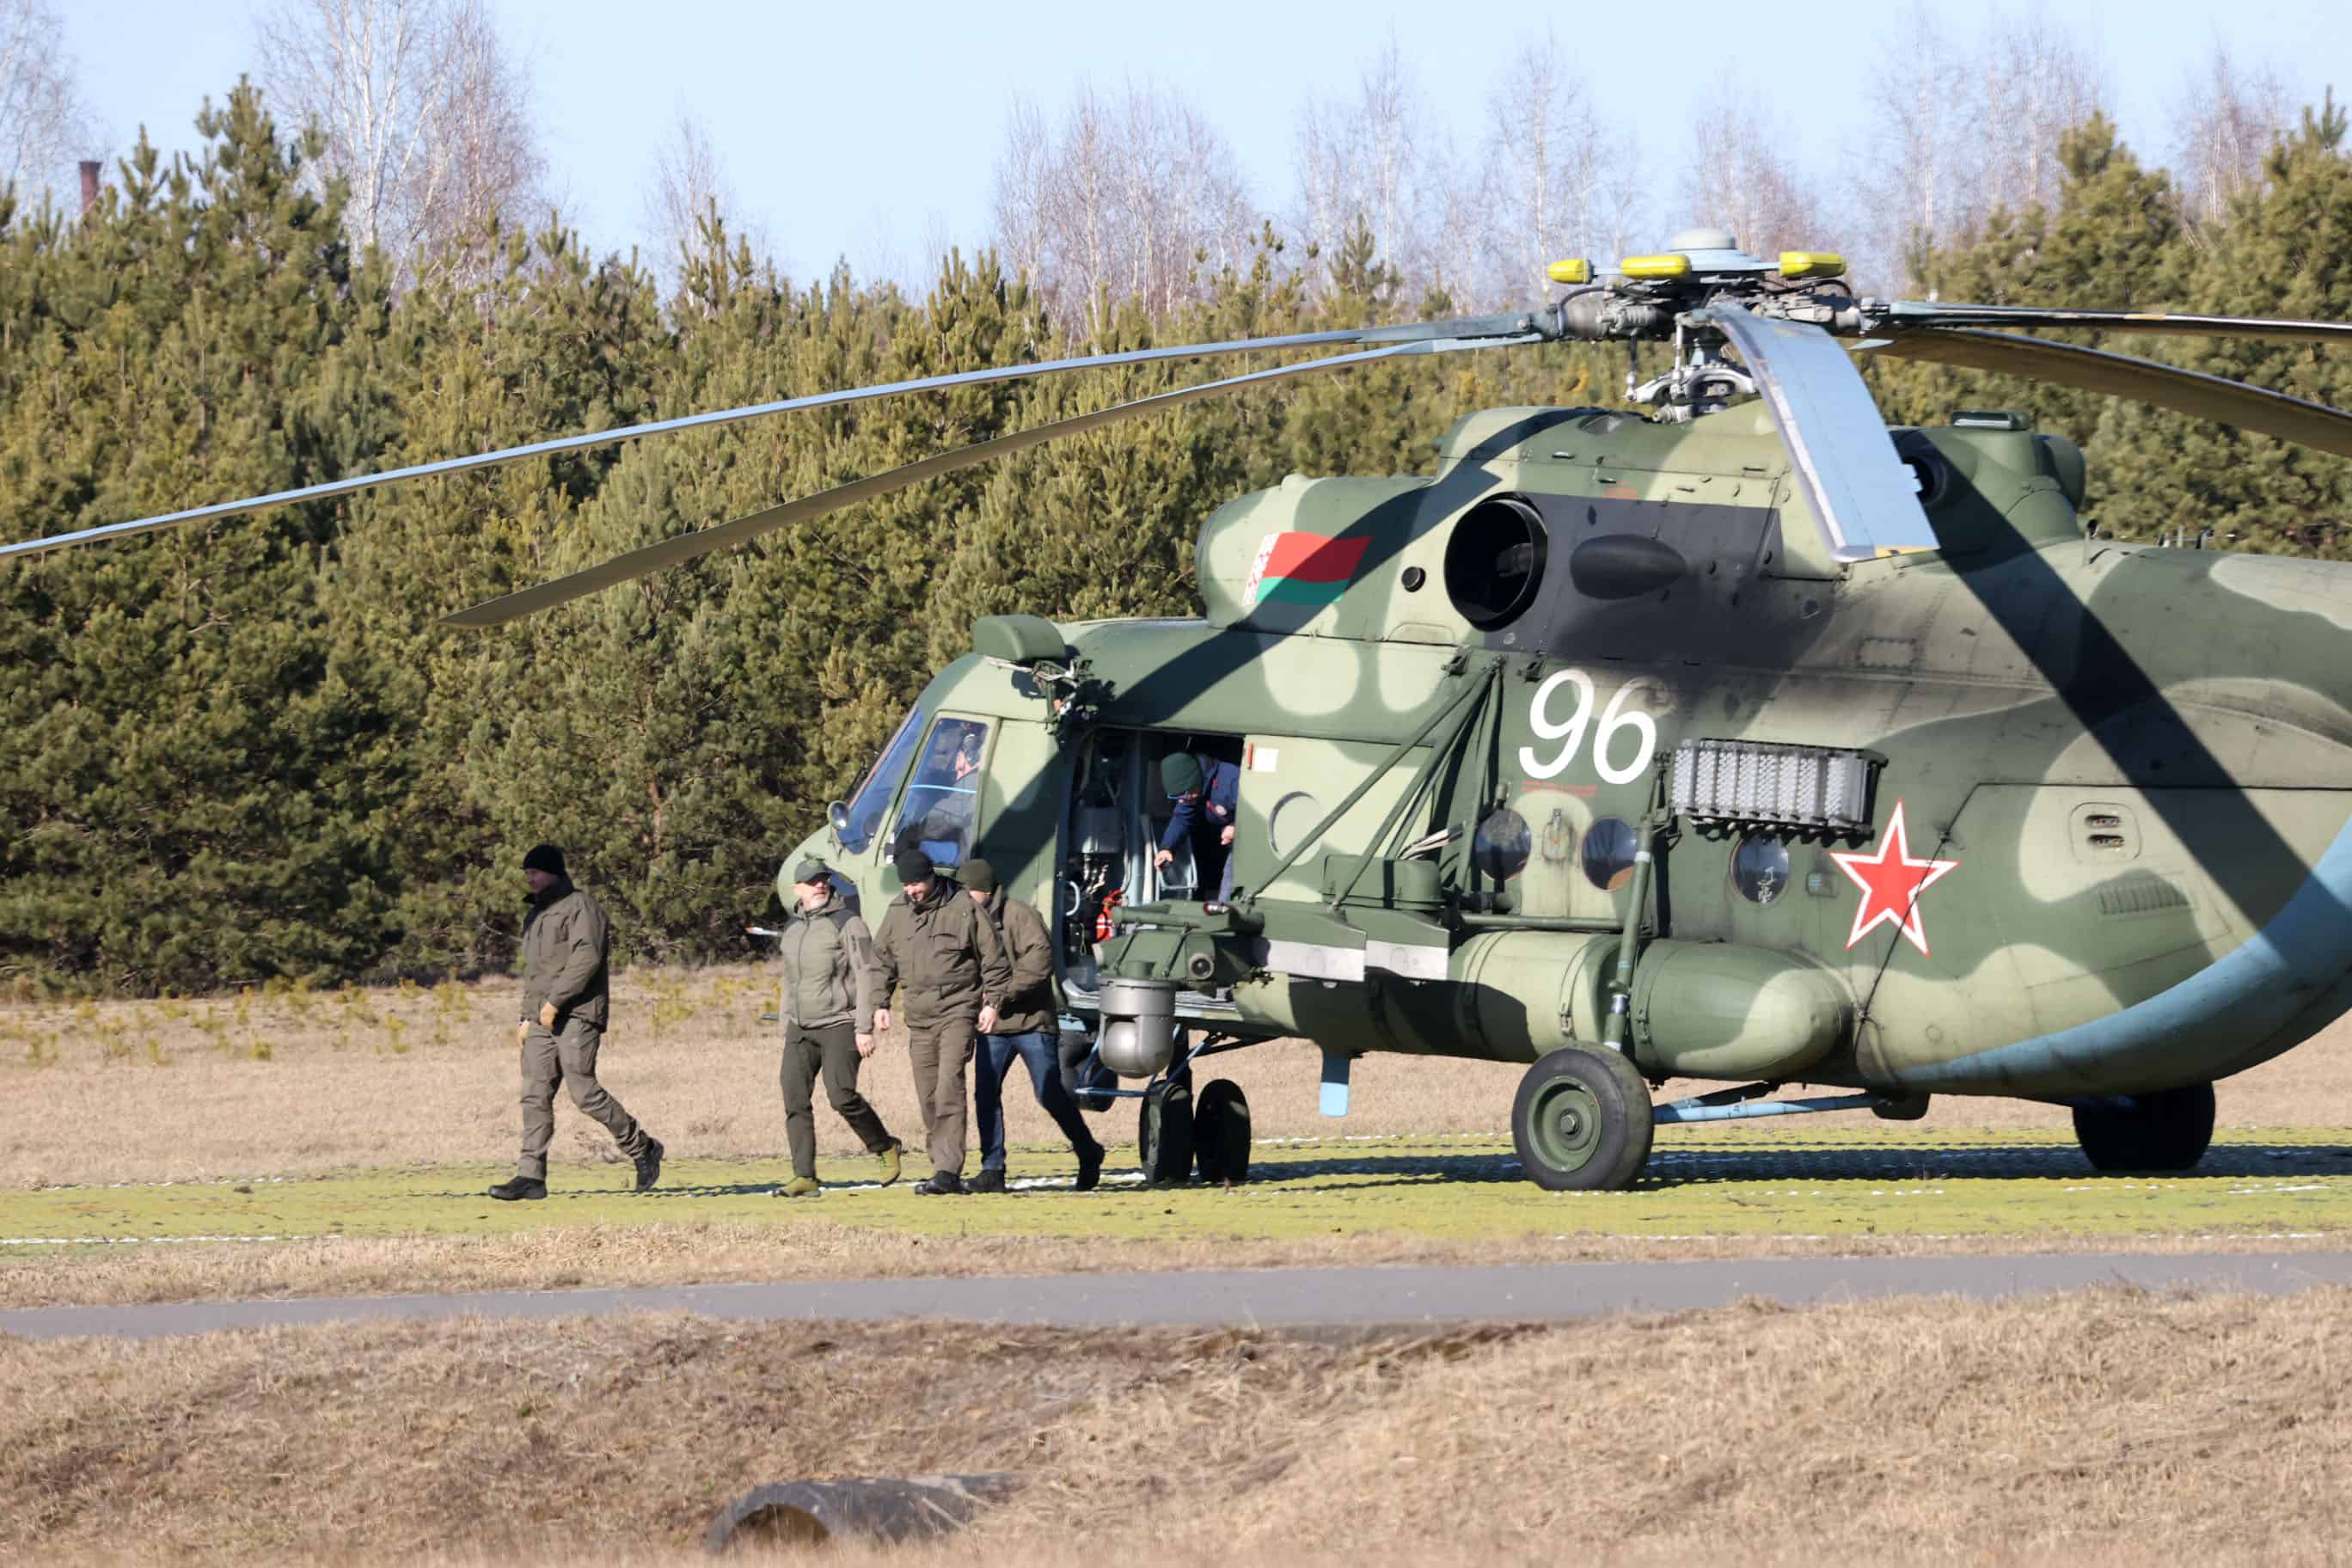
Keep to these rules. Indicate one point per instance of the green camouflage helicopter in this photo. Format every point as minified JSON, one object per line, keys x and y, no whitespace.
{"x":1746,"y":740}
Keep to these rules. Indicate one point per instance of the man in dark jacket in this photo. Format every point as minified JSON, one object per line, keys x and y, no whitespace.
{"x":565,"y":1005}
{"x":826,"y":1002}
{"x":1027,"y":1027}
{"x":943,"y":947}
{"x":1207,"y":793}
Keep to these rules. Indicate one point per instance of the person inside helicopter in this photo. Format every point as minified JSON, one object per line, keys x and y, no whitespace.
{"x":1205,"y":795}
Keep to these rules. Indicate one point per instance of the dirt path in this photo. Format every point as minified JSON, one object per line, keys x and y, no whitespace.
{"x":1285,"y":1297}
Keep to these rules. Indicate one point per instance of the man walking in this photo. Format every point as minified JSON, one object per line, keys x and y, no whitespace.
{"x":565,"y":1005}
{"x":956,"y":972}
{"x":827,"y":1007}
{"x":1025,"y":1027}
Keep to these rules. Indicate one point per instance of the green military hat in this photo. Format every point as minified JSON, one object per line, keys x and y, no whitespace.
{"x":1180,"y":773}
{"x":977,"y":875}
{"x":812,"y":870}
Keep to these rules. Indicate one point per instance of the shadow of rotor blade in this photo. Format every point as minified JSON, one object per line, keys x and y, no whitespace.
{"x":1519,"y":328}
{"x":2159,"y":323}
{"x":687,"y":547}
{"x":2190,"y":392}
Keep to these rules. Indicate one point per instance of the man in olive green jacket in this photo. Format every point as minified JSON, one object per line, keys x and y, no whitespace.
{"x":1028,"y":1025}
{"x":565,"y":1004}
{"x":826,"y":1004}
{"x":956,"y":972}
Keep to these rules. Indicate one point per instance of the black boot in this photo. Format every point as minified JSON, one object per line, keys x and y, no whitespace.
{"x":939,"y":1182}
{"x":507,"y":1192}
{"x":1090,"y":1164}
{"x":990,"y":1179}
{"x":649,"y":1163}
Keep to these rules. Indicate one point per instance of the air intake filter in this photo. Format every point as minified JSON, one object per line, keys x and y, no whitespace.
{"x":1762,"y":782}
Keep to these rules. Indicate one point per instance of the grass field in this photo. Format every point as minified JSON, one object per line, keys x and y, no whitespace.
{"x":297,"y":1143}
{"x":294,"y":1141}
{"x":2100,"y":1428}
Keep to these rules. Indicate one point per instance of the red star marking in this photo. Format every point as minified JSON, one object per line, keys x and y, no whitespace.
{"x":1891,"y":882}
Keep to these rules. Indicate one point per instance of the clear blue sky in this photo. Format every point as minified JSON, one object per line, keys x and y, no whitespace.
{"x":857,"y":131}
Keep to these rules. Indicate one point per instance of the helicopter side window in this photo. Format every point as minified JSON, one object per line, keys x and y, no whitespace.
{"x":942,"y":804}
{"x":863,"y":814}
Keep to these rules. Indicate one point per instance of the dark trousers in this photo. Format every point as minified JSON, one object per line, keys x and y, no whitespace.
{"x":569,"y":1060}
{"x":939,"y":1049}
{"x":1037,"y":1050}
{"x":833,"y":1051}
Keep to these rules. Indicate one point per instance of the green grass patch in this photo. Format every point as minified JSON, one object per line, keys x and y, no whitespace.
{"x":1719,"y":1182}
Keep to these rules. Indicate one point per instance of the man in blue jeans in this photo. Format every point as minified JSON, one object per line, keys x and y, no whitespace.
{"x":1026,"y":1027}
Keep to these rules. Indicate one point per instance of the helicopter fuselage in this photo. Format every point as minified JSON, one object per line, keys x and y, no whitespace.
{"x":2095,"y":839}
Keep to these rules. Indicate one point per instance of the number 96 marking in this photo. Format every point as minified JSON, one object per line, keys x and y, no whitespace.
{"x":1569,"y":731}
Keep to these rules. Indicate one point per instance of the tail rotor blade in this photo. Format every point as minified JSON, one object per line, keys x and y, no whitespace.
{"x":687,"y":547}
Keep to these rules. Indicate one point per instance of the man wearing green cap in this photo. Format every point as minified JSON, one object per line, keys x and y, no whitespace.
{"x":1206,"y":792}
{"x":1026,"y":1028}
{"x":956,"y":973}
{"x":566,"y":1001}
{"x":826,"y":1004}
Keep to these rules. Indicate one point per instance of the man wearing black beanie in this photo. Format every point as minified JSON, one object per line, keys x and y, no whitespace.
{"x":956,"y":973}
{"x":566,"y":1001}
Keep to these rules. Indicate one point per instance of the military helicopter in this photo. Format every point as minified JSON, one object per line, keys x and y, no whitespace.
{"x":1742,"y":738}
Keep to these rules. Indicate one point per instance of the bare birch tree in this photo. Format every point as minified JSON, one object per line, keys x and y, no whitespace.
{"x":1373,"y":158}
{"x":1134,"y":198}
{"x":1738,"y":178}
{"x":44,"y":127}
{"x":2036,"y":80}
{"x":426,"y":117}
{"x":2227,"y":121}
{"x":690,"y":189}
{"x":1916,"y":176}
{"x":1544,"y":171}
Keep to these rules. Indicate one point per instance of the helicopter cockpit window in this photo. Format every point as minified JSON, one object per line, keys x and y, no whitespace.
{"x":942,"y":802}
{"x":880,"y":783}
{"x":1494,"y":561}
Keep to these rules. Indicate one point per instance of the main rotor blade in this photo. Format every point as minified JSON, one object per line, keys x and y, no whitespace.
{"x":1496,"y":328}
{"x":1836,"y":438}
{"x":1905,"y":314}
{"x":2120,"y":376}
{"x":687,"y":547}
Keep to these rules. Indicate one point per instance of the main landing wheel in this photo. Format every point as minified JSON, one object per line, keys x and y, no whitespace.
{"x":1164,"y":1136}
{"x":1220,"y":1134}
{"x":2167,"y":1131}
{"x":1582,"y":1121}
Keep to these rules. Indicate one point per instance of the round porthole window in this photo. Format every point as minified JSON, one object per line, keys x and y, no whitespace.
{"x":1609,"y":853}
{"x":1760,"y":868}
{"x":1290,"y":820}
{"x":1502,"y":845}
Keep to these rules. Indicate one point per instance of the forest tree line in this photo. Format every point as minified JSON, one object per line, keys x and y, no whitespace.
{"x":248,"y":749}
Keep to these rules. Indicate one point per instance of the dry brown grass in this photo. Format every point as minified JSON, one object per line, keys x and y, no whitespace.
{"x":2102,"y":1426}
{"x":289,"y":1081}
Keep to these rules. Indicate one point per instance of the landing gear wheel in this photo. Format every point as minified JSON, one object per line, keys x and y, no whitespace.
{"x":1164,"y":1136}
{"x":1220,"y":1134}
{"x":2167,"y":1131}
{"x":1582,"y":1121}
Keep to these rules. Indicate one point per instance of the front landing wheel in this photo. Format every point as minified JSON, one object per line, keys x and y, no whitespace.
{"x":1163,"y":1134}
{"x":1582,"y":1121}
{"x":2167,"y":1131}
